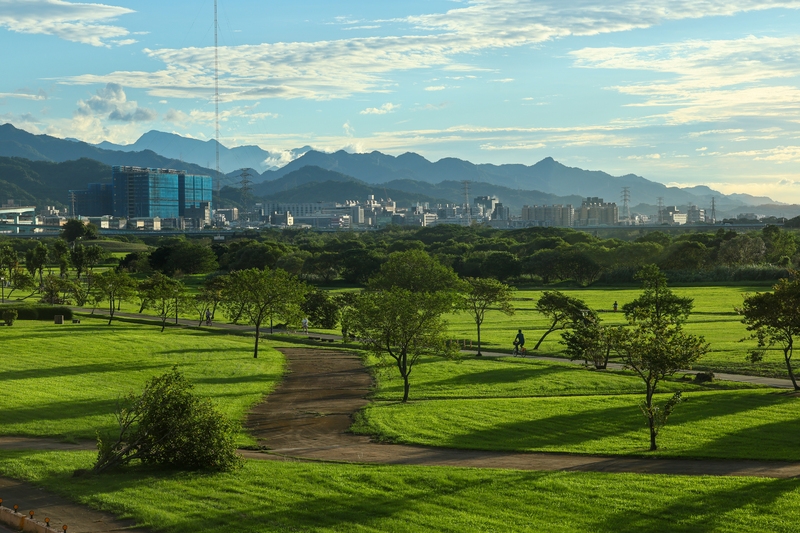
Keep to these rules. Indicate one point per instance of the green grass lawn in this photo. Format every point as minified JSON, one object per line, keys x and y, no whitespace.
{"x":509,"y":377}
{"x":746,"y":424}
{"x":713,"y":316}
{"x":64,"y":381}
{"x":275,"y":496}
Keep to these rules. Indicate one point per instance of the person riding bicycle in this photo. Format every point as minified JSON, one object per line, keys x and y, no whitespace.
{"x":519,"y":342}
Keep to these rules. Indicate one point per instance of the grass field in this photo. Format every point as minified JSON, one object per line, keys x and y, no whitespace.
{"x":64,"y":381}
{"x":713,"y":316}
{"x":272,"y":496}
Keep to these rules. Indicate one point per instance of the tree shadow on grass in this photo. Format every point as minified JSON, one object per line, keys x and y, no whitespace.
{"x":79,"y":370}
{"x":700,"y":510}
{"x":497,"y":376}
{"x":773,"y":441}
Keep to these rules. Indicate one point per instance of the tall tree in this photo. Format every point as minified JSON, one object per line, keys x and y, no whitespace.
{"x":59,"y":254}
{"x":402,"y":325}
{"x":655,"y":345}
{"x":114,"y":287}
{"x":480,"y":294}
{"x":560,"y":310}
{"x":415,"y":271}
{"x":36,"y":260}
{"x":774,"y":318}
{"x":259,"y":295}
{"x":163,"y":295}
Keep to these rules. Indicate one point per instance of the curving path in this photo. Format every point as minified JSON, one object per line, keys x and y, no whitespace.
{"x":307,"y":417}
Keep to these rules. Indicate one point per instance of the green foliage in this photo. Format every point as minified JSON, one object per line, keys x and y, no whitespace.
{"x":402,"y":325}
{"x":9,"y":316}
{"x":561,"y":311}
{"x":590,"y":341}
{"x":414,"y":271}
{"x":774,"y":318}
{"x":258,"y":295}
{"x":73,"y":230}
{"x":163,"y":295}
{"x":187,"y":257}
{"x":114,"y":287}
{"x":169,"y":425}
{"x":321,"y":309}
{"x":479,"y":294}
{"x":40,"y":312}
{"x":655,"y":345}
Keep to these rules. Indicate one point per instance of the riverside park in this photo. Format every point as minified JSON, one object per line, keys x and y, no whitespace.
{"x":492,"y":443}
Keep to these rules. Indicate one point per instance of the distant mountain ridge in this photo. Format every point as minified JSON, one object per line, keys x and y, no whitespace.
{"x":19,"y":143}
{"x":203,"y":153}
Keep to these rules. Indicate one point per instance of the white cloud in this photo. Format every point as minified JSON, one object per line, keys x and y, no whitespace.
{"x":26,"y":94}
{"x":340,"y":68}
{"x":348,"y":129}
{"x":710,"y":80}
{"x":435,"y":88}
{"x":78,"y":22}
{"x":196,"y":116}
{"x":382,"y":110}
{"x":112,"y":104}
{"x":647,"y":156}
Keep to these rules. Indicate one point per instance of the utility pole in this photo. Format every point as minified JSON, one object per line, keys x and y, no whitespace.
{"x":72,"y":201}
{"x":245,"y":184}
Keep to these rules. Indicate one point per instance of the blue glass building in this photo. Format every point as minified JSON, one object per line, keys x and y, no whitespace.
{"x":154,"y":192}
{"x":96,"y":201}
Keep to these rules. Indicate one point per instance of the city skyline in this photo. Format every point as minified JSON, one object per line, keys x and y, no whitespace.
{"x":680,"y":92}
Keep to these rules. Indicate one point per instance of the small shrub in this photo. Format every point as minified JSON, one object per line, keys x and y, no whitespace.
{"x":168,"y":425}
{"x":704,"y":377}
{"x":9,"y":316}
{"x":41,"y":312}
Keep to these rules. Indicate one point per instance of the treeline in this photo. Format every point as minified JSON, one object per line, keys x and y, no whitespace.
{"x":531,"y":255}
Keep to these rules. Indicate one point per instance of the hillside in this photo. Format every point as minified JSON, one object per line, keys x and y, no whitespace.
{"x":44,"y":183}
{"x":19,"y":143}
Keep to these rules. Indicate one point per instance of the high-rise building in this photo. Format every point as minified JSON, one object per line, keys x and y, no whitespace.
{"x":154,"y":192}
{"x":96,"y":200}
{"x":549,"y":215}
{"x":595,"y":212}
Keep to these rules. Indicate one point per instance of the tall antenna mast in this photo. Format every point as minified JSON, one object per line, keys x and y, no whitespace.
{"x":216,"y":95}
{"x":467,"y":209}
{"x":713,"y":209}
{"x":660,"y":210}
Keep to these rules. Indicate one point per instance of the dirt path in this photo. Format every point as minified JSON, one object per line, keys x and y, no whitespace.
{"x":308,"y":416}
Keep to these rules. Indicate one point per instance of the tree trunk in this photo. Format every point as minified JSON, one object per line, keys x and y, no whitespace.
{"x":546,"y":333}
{"x":479,"y":340}
{"x":650,"y":419}
{"x":406,"y":386}
{"x":787,"y":355}
{"x":258,"y":334}
{"x":110,"y":311}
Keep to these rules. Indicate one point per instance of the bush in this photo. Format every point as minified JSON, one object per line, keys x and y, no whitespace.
{"x":9,"y":316}
{"x":168,"y":425}
{"x":704,"y":377}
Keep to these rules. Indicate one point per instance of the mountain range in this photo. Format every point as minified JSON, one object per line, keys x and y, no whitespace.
{"x":203,"y":153}
{"x":408,"y":178}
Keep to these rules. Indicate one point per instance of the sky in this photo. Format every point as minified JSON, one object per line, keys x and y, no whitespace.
{"x":684,"y":92}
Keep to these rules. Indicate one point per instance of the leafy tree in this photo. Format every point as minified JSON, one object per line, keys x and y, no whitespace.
{"x":9,"y":260}
{"x":415,"y":271}
{"x":774,"y":318}
{"x":52,"y":288}
{"x":589,"y":340}
{"x":167,"y":424}
{"x":401,"y":325}
{"x":742,"y":250}
{"x":480,"y":294}
{"x":73,"y":230}
{"x":259,"y":295}
{"x":321,"y":309}
{"x":36,"y":260}
{"x":324,"y":266}
{"x":163,"y":295}
{"x":778,"y":243}
{"x":114,"y":287}
{"x":501,"y":265}
{"x":655,"y":345}
{"x":561,"y":311}
{"x":59,"y":254}
{"x":183,"y":256}
{"x":19,"y":280}
{"x":358,"y":265}
{"x":79,"y":259}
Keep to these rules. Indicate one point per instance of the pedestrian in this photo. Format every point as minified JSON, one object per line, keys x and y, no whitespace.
{"x":208,"y":317}
{"x":305,"y":325}
{"x":615,"y":306}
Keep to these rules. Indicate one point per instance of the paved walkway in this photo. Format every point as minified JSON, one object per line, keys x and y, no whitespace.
{"x":309,"y":414}
{"x":742,"y":378}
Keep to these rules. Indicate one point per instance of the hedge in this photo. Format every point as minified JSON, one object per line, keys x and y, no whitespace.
{"x":39,"y":312}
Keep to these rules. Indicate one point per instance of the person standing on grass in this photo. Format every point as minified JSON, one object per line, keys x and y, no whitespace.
{"x":208,"y":317}
{"x":519,"y":341}
{"x":305,"y":325}
{"x":615,"y":306}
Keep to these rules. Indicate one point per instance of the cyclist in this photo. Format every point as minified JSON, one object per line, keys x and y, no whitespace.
{"x":519,"y":343}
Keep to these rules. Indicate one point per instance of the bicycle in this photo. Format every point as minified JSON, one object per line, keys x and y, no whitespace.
{"x":518,"y":350}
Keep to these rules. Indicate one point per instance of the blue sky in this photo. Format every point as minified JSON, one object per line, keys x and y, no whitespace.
{"x":680,"y":91}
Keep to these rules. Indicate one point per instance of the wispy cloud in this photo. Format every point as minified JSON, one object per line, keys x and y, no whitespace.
{"x":78,"y":22}
{"x":111,"y":103}
{"x":340,"y":68}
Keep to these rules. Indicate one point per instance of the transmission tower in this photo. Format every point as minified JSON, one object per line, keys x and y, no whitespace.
{"x":660,"y":210}
{"x":216,"y":96}
{"x":72,"y":201}
{"x":626,"y":204}
{"x":245,"y":184}
{"x":467,"y":210}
